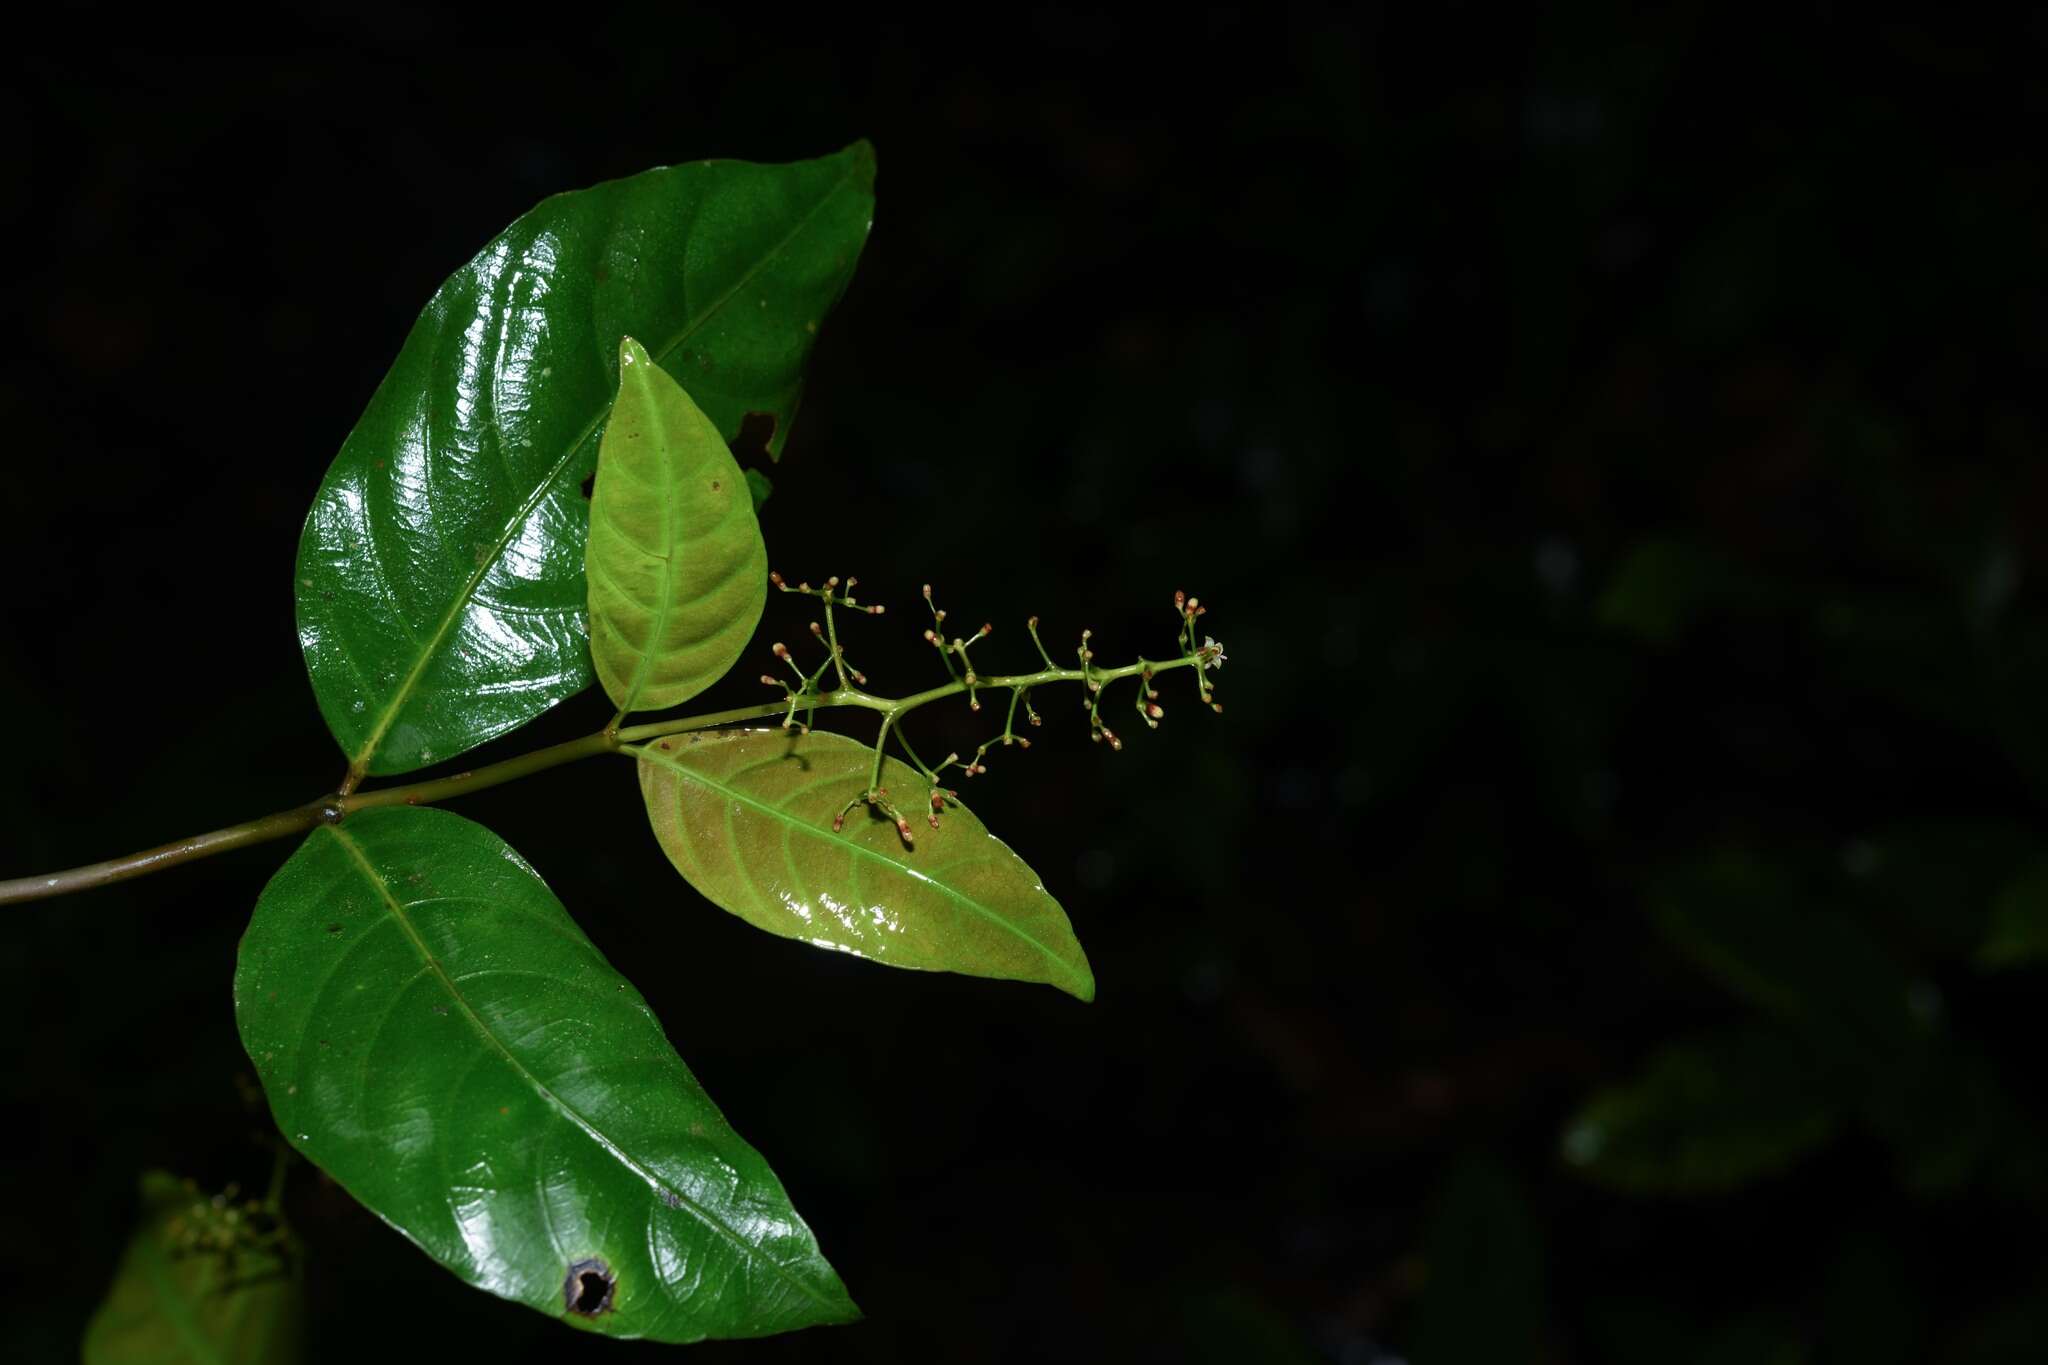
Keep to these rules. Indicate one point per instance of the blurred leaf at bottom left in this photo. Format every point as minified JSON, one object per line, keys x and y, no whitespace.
{"x":197,"y":1286}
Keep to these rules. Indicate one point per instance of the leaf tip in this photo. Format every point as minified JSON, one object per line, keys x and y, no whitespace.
{"x":631,"y":352}
{"x":1082,"y":989}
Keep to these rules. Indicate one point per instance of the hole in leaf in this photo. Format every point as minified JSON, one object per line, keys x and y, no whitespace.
{"x":587,"y":1289}
{"x":590,"y":483}
{"x":757,"y":429}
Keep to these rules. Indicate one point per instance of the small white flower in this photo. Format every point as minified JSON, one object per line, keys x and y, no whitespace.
{"x":1214,"y":649}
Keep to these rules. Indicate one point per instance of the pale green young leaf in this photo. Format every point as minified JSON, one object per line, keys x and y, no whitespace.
{"x":177,"y":1299}
{"x":677,"y":568}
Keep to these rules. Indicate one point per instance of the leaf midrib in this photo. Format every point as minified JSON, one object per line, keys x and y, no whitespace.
{"x":663,"y":761}
{"x":156,"y":1266}
{"x":540,"y":1087}
{"x":667,"y":576}
{"x":360,"y":763}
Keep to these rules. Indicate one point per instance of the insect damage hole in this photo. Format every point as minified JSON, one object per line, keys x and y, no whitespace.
{"x":587,"y":1288}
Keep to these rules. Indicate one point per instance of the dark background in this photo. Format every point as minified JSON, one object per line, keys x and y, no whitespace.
{"x":1611,"y":448}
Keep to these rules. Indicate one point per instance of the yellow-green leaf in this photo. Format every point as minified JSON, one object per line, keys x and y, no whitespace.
{"x":181,"y":1297}
{"x":678,"y":572}
{"x":747,"y":817}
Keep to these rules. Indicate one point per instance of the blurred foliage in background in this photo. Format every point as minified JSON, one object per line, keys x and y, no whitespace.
{"x":1608,"y":922}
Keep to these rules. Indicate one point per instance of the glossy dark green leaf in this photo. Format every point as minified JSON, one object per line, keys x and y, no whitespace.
{"x":1705,"y":1116}
{"x":440,"y":585}
{"x":746,"y":817}
{"x":435,"y":1032}
{"x":678,"y":571}
{"x":183,"y":1297}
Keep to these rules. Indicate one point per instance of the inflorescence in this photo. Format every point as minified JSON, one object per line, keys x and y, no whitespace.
{"x":806,"y":694}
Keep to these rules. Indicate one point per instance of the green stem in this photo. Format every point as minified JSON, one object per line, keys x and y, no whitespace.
{"x":338,"y":806}
{"x":273,"y":1199}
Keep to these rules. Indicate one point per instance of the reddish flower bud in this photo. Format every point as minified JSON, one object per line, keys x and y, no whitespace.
{"x":771,"y":680}
{"x":927,"y":592}
{"x":775,"y":578}
{"x":781,"y":650}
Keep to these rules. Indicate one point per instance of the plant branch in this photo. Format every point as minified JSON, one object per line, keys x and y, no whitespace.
{"x":338,"y":806}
